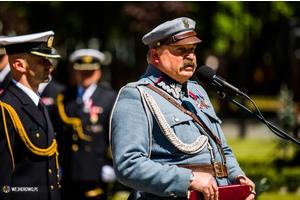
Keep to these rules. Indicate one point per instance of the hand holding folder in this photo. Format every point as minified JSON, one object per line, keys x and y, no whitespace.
{"x":226,"y":192}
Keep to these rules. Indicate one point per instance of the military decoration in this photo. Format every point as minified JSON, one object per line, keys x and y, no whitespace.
{"x":94,"y":111}
{"x":48,"y":101}
{"x":87,"y":106}
{"x":199,"y":98}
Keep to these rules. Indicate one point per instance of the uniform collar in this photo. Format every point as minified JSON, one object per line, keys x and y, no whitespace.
{"x":35,"y":98}
{"x":86,"y":94}
{"x":165,"y":82}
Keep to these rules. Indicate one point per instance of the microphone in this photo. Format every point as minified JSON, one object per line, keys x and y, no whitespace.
{"x":207,"y":75}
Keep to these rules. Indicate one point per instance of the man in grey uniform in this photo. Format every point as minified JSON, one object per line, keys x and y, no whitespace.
{"x":158,"y":148}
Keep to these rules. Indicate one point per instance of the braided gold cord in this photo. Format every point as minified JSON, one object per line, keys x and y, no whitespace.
{"x":75,"y":122}
{"x":22,"y":134}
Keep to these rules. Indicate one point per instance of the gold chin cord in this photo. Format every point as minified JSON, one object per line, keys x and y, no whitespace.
{"x":50,"y":151}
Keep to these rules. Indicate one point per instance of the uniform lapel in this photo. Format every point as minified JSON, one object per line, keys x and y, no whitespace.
{"x":50,"y":129}
{"x":28,"y":106}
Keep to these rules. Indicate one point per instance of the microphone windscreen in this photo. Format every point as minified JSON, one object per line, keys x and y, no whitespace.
{"x":205,"y":74}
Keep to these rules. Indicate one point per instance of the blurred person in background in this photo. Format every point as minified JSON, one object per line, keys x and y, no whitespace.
{"x":159,"y":148}
{"x":48,"y":93}
{"x":84,"y":112}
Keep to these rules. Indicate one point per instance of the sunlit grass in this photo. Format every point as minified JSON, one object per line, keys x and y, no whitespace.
{"x":261,"y":151}
{"x":277,"y":196}
{"x":257,"y":150}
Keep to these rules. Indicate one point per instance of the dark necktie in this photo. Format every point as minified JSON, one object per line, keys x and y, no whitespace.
{"x":41,"y":107}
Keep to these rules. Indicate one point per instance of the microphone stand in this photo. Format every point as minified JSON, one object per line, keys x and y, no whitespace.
{"x":223,"y":95}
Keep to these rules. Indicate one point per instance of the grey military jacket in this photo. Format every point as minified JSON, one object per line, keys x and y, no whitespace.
{"x":147,"y":162}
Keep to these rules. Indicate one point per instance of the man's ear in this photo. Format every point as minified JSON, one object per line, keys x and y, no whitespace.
{"x":19,"y":64}
{"x":154,"y":55}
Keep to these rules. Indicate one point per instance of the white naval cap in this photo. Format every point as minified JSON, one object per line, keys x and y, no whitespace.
{"x":39,"y":44}
{"x":179,"y":31}
{"x":86,"y":59}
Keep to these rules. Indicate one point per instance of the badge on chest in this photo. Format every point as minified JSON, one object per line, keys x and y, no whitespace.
{"x":92,"y":110}
{"x":201,"y":102}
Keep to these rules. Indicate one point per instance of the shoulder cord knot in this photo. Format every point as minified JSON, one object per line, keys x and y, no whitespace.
{"x":193,"y":148}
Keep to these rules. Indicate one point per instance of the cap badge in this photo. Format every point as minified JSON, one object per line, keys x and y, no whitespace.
{"x":50,"y":41}
{"x":186,"y":23}
{"x":86,"y":59}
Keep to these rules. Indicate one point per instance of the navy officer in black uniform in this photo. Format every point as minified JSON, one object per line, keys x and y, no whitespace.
{"x":28,"y":149}
{"x":83,"y":144}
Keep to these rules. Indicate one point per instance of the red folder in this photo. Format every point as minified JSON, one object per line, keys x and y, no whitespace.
{"x":232,"y":192}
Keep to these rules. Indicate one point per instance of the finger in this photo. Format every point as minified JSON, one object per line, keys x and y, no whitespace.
{"x":251,"y":196}
{"x":242,"y":180}
{"x":206,"y":196}
{"x":212,"y":196}
{"x":216,"y":194}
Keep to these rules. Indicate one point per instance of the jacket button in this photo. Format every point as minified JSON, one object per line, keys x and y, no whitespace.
{"x":75,"y":137}
{"x":51,"y":187}
{"x":37,"y":135}
{"x":173,"y":195}
{"x":87,"y":148}
{"x":75,"y":147}
{"x":50,"y":171}
{"x":176,"y":119}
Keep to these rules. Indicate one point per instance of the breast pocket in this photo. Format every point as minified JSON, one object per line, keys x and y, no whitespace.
{"x":37,"y":136}
{"x":183,"y":126}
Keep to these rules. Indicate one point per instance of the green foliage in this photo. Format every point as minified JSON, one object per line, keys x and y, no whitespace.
{"x":257,"y":157}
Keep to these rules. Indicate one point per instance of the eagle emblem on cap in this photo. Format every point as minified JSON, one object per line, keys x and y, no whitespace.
{"x":86,"y":59}
{"x":50,"y":41}
{"x":185,"y":23}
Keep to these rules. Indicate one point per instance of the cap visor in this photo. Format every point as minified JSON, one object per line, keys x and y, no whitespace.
{"x":189,"y":40}
{"x":54,"y":56}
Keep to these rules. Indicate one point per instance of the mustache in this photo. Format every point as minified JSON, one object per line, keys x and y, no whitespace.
{"x":188,"y":62}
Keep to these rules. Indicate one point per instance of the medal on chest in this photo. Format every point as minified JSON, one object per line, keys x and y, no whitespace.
{"x":94,"y":111}
{"x":201,"y":102}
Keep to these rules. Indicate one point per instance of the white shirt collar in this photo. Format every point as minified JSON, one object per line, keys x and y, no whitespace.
{"x":89,"y":92}
{"x":35,"y":98}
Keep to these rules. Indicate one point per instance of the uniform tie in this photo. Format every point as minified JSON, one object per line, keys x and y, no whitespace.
{"x":41,"y":107}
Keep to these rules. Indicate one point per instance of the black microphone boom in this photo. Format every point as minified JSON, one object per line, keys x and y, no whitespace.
{"x":207,"y":75}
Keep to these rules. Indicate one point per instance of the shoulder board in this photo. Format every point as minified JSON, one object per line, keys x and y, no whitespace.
{"x":140,"y":82}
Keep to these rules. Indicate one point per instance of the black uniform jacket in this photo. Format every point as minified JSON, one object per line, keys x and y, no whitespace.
{"x":82,"y":160}
{"x":34,"y":176}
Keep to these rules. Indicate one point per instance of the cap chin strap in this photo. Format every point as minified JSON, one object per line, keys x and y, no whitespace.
{"x":176,"y":38}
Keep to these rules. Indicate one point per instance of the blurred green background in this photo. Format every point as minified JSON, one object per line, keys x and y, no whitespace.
{"x":255,"y":46}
